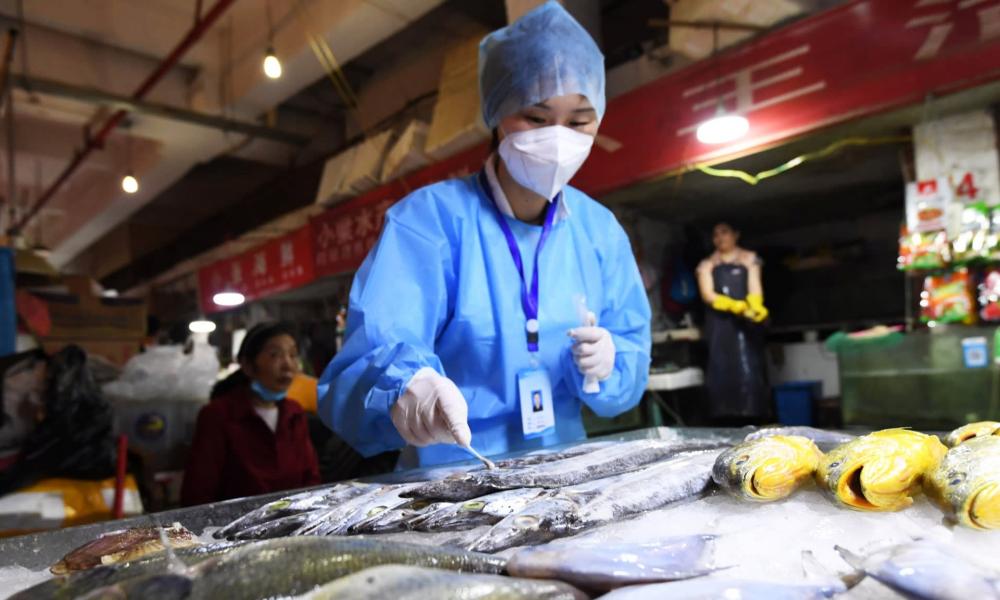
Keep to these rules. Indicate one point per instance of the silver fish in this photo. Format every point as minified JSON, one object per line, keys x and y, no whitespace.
{"x":575,"y":508}
{"x":927,"y":570}
{"x":550,"y":516}
{"x":325,"y":521}
{"x":275,"y":528}
{"x":708,"y":588}
{"x":485,"y":510}
{"x":340,"y":520}
{"x":602,"y":462}
{"x":649,"y":488}
{"x":398,"y":519}
{"x":605,"y":567}
{"x":538,"y":457}
{"x":295,"y":504}
{"x":417,"y":583}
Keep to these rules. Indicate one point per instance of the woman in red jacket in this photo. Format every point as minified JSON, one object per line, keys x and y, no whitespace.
{"x":252,"y":439}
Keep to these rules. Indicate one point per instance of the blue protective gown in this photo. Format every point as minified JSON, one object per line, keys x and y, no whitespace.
{"x":441,"y":290}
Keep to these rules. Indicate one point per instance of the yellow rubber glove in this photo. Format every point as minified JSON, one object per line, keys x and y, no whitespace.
{"x":723,"y":303}
{"x":756,"y":311}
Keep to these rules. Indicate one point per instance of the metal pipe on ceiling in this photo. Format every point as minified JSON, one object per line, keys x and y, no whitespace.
{"x":97,"y":141}
{"x":95,"y":96}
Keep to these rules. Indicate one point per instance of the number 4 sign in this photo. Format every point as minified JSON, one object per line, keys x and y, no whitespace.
{"x":966,"y":189}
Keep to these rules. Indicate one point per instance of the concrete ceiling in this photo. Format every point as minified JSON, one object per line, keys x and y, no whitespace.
{"x":113,"y":45}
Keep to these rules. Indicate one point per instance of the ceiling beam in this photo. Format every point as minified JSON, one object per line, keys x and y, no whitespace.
{"x":295,"y":189}
{"x":101,"y":98}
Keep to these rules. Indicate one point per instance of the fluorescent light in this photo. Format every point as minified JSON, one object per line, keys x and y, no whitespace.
{"x":130,"y":184}
{"x":723,"y":128}
{"x":272,"y":66}
{"x":228,"y":299}
{"x":201,"y":326}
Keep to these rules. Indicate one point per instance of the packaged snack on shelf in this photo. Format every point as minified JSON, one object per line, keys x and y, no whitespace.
{"x":989,"y":295}
{"x":927,"y":205}
{"x":948,"y":298}
{"x":923,"y":251}
{"x":971,"y":243}
{"x":993,"y":239}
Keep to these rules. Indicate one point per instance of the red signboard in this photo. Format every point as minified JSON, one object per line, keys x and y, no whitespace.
{"x":854,"y":60}
{"x":281,"y":264}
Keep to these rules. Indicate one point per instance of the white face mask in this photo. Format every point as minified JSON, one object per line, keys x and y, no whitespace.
{"x":545,"y":159}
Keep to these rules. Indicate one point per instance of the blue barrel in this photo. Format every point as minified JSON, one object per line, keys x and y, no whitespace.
{"x":795,"y":400}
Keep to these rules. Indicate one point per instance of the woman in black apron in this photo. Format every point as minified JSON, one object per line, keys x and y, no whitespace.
{"x":730,"y":284}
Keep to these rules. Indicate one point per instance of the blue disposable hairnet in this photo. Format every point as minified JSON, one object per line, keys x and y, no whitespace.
{"x":543,"y":54}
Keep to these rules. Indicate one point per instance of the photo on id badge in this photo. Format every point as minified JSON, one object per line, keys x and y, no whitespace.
{"x":535,"y":398}
{"x":536,"y":401}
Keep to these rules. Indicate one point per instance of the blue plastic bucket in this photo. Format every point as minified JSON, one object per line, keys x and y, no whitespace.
{"x":795,"y":400}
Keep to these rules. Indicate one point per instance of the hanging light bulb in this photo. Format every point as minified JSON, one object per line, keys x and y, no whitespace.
{"x":723,"y":128}
{"x":272,"y":66}
{"x":229,"y":298}
{"x":201,"y":326}
{"x":130,"y":184}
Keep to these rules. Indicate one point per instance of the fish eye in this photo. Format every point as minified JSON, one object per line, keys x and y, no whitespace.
{"x":834,"y":465}
{"x":474,"y":505}
{"x":525,"y":522}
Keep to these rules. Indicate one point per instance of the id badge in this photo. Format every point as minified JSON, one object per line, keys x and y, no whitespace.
{"x":535,"y":393}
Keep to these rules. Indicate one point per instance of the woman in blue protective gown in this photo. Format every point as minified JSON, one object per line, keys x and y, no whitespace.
{"x":469,"y":307}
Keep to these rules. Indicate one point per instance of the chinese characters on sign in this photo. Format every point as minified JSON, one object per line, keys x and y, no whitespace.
{"x":279,"y":265}
{"x":937,"y":18}
{"x":748,"y":87}
{"x":343,"y":238}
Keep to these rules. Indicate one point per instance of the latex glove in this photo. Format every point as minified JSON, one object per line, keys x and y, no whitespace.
{"x":756,"y":311}
{"x":723,"y":303}
{"x":593,"y":350}
{"x":432,"y":410}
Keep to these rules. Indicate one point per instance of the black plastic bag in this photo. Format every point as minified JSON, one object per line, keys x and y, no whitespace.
{"x":75,"y":438}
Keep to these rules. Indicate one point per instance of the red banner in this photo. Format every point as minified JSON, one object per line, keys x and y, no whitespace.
{"x":851,"y":61}
{"x":279,"y":265}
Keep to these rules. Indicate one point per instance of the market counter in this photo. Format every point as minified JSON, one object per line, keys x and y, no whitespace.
{"x":40,"y":550}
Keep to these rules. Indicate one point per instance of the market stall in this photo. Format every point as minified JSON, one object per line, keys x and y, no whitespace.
{"x":701,"y":508}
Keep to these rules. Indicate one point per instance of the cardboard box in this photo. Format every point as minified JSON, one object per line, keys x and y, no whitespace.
{"x":407,"y":154}
{"x":697,"y":43}
{"x":353,"y":171}
{"x":77,"y":317}
{"x":457,"y":122}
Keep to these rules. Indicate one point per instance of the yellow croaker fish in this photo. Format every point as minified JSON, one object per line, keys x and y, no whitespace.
{"x":880,"y":471}
{"x":972,"y":430}
{"x":966,"y":484}
{"x":767,"y":469}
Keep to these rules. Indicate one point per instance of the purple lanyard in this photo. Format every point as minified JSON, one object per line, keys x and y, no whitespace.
{"x":529,"y":295}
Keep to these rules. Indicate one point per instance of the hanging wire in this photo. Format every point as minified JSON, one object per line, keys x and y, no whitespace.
{"x":270,"y":22}
{"x":802,"y":158}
